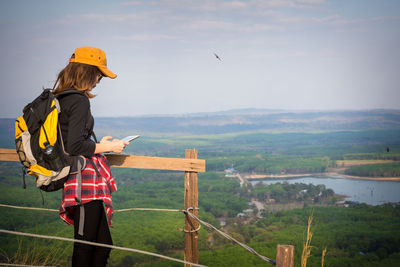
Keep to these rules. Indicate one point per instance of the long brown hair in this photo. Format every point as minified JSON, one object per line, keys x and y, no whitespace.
{"x":77,"y":76}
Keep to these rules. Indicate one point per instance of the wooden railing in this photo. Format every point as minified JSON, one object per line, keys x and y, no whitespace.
{"x":136,"y":162}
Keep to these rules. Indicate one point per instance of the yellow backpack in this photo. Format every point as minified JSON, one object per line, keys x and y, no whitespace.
{"x":39,"y":143}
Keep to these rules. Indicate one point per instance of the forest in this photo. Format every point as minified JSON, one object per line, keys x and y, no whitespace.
{"x":353,"y":234}
{"x":299,"y":192}
{"x":275,"y":164}
{"x":357,"y":235}
{"x":375,"y":170}
{"x":372,"y":156}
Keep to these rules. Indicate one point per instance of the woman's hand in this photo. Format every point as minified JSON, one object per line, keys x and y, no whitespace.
{"x":115,"y":145}
{"x":118,"y":145}
{"x":105,"y":138}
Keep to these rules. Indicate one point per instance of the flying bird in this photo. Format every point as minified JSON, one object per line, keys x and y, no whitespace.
{"x":217,"y":57}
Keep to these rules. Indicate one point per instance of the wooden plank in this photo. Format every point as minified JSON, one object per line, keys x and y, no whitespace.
{"x":285,"y":256}
{"x":8,"y":154}
{"x":191,"y":201}
{"x":142,"y":162}
{"x":131,"y":161}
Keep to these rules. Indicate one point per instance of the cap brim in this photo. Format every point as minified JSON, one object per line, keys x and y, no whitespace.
{"x":107,"y":72}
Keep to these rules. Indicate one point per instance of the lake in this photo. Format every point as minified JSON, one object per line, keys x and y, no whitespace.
{"x":363,"y":191}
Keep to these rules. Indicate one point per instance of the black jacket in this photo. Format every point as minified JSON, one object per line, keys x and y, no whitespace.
{"x":76,"y":122}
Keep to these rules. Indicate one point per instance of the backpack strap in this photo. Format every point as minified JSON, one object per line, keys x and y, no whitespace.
{"x":74,"y":91}
{"x":94,"y":136}
{"x":79,"y":168}
{"x":69,"y":92}
{"x":81,"y":219}
{"x":79,"y":200}
{"x":94,"y":167}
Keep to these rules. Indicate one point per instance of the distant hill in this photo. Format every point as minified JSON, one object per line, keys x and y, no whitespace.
{"x":249,"y":120}
{"x":239,"y":120}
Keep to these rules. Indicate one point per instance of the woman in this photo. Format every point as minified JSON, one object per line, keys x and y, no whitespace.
{"x":82,"y":203}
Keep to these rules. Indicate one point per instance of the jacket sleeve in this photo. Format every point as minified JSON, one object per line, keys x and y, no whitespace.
{"x":79,"y":143}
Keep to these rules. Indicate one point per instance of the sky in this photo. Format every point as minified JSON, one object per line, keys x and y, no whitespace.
{"x":275,"y":54}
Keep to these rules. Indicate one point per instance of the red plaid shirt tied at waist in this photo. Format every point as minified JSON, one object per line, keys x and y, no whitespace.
{"x":93,"y":188}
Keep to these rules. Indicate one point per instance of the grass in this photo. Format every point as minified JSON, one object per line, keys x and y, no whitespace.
{"x":306,"y":253}
{"x":323,"y":257}
{"x":34,"y":252}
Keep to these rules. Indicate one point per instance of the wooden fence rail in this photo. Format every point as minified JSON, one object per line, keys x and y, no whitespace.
{"x":191,"y":165}
{"x":136,"y":162}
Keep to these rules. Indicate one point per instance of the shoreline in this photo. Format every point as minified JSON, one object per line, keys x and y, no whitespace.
{"x":324,"y":174}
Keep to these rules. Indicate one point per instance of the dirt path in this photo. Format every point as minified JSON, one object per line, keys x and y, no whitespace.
{"x":259,"y":205}
{"x":348,"y":163}
{"x":242,"y":181}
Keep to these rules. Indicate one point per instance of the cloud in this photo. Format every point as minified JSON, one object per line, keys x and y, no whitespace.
{"x":143,"y":37}
{"x":310,"y":1}
{"x":235,"y":4}
{"x":146,"y":17}
{"x":221,"y":6}
{"x":211,"y":24}
{"x":333,"y":20}
{"x":223,"y":15}
{"x":131,"y":3}
{"x":344,"y":21}
{"x":209,"y":5}
{"x":287,"y":3}
{"x":228,"y":26}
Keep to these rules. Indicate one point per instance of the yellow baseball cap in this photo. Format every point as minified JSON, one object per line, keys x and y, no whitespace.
{"x":92,"y":56}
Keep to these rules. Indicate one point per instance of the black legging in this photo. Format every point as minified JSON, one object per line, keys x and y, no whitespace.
{"x":95,"y":230}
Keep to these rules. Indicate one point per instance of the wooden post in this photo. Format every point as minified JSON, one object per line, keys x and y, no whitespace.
{"x":191,"y":201}
{"x":285,"y":256}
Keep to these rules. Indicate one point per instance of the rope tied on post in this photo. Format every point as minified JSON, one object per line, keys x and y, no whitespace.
{"x":251,"y":250}
{"x":190,"y":222}
{"x":191,"y":231}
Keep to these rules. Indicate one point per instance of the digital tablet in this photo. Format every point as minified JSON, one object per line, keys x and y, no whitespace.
{"x":130,"y":138}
